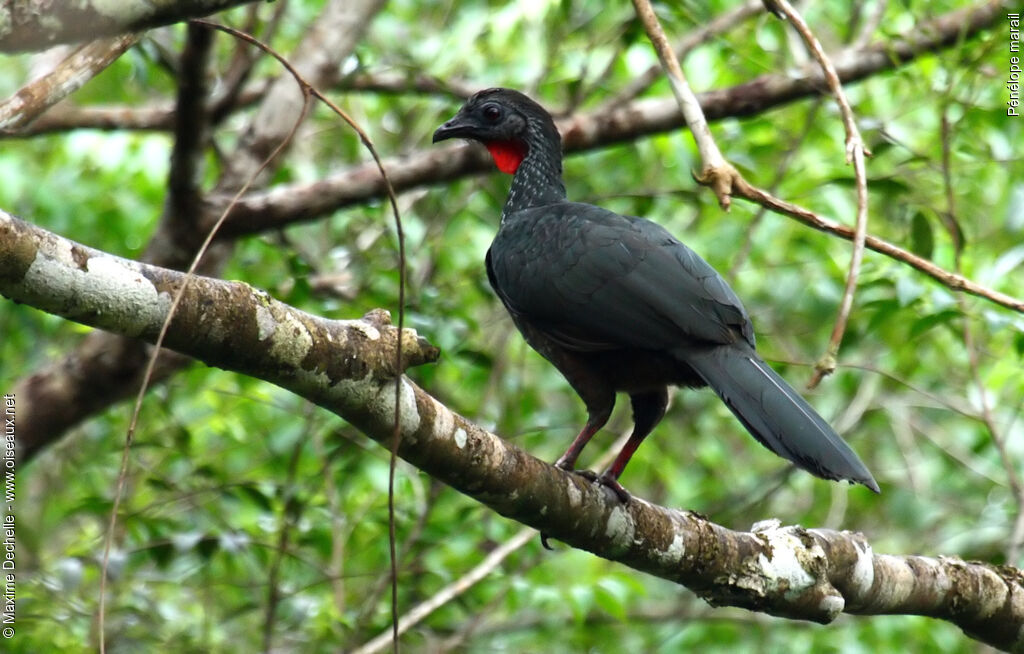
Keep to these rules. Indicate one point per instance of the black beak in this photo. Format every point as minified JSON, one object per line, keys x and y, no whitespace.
{"x":454,"y":128}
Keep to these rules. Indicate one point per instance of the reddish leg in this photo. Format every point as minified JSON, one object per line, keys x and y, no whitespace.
{"x":599,"y":403}
{"x":595,"y":420}
{"x":648,"y":410}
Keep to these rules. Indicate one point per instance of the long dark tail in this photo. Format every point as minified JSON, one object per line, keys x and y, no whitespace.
{"x":776,"y":415}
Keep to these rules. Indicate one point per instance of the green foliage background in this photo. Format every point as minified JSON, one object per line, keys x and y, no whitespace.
{"x":239,"y":491}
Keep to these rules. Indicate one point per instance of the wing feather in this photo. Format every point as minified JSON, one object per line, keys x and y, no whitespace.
{"x":592,"y":279}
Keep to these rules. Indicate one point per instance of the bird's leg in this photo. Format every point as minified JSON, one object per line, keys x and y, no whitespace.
{"x":648,"y":410}
{"x":595,"y":420}
{"x":600,"y":400}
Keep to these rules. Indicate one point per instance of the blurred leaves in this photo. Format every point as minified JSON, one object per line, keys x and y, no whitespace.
{"x":209,"y":485}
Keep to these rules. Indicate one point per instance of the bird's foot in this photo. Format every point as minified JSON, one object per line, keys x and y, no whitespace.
{"x":564,"y":463}
{"x":605,"y":480}
{"x":608,"y":481}
{"x":589,"y":475}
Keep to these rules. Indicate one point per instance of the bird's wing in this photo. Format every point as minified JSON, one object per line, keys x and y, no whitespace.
{"x":592,"y":279}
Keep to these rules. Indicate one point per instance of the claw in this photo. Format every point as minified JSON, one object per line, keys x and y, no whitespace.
{"x":544,"y":542}
{"x":606,"y":480}
{"x":613,"y":484}
{"x":589,"y":475}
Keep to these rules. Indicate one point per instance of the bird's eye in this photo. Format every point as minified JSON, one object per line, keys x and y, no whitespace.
{"x":491,"y":112}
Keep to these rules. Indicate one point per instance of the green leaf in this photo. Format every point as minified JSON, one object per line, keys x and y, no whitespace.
{"x":922,"y":238}
{"x":922,"y":325}
{"x":254,"y":495}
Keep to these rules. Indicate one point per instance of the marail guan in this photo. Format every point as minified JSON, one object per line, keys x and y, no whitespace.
{"x":618,"y":304}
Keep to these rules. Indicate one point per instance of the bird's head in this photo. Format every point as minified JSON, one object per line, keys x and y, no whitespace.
{"x":505,"y":121}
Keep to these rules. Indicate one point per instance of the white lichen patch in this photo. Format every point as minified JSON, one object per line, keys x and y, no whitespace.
{"x":766,"y":525}
{"x":674,"y":553}
{"x":832,"y":605}
{"x":785,"y":569}
{"x":383,"y":404}
{"x":116,"y":10}
{"x":265,"y":323}
{"x":110,"y":289}
{"x":862,"y":577}
{"x":290,"y":340}
{"x":368,"y":330}
{"x":575,"y":496}
{"x":444,"y":424}
{"x":620,"y":527}
{"x":127,"y":294}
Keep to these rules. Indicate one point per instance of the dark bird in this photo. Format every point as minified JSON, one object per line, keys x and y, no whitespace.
{"x":617,"y":303}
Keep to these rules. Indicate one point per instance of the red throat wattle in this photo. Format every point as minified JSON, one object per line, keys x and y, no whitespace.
{"x":507,"y":154}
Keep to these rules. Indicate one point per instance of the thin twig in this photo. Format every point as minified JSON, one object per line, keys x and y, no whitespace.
{"x":1013,"y":477}
{"x":452,"y":590}
{"x":855,"y":152}
{"x":951,"y":280}
{"x":719,"y":25}
{"x":311,"y":90}
{"x":717,"y":173}
{"x":151,"y":363}
{"x":234,"y":92}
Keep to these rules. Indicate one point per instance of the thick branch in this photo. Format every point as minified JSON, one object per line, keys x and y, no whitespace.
{"x":347,"y":367}
{"x":67,"y":77}
{"x":38,"y":24}
{"x":225,"y":324}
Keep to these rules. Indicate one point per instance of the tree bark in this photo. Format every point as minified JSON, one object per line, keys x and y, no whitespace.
{"x":39,"y":24}
{"x":348,"y":368}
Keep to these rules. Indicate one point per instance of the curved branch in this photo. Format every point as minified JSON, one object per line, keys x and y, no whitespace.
{"x":38,"y":24}
{"x":348,"y":368}
{"x":68,"y":384}
{"x":856,"y":151}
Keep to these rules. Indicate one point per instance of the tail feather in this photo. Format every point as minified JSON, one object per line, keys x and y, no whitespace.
{"x":776,"y":415}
